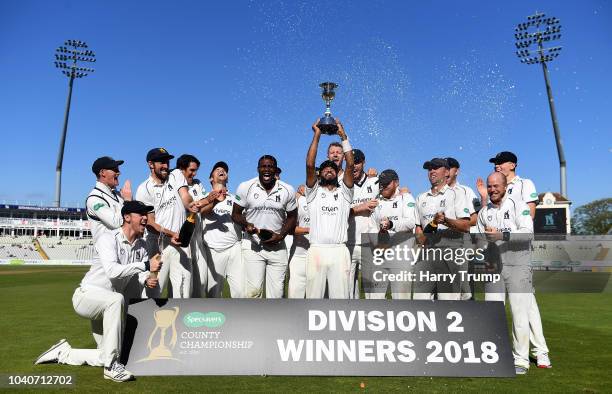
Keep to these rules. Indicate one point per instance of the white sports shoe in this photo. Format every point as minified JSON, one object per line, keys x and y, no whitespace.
{"x":543,"y":361}
{"x":117,"y":372}
{"x":53,"y":353}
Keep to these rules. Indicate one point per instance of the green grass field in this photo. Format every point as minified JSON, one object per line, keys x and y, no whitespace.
{"x":38,"y":312}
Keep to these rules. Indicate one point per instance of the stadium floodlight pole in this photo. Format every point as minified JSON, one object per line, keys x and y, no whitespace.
{"x":67,"y":58}
{"x":524,"y":39}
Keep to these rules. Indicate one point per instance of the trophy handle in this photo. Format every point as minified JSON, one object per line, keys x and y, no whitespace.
{"x":151,"y":337}
{"x":174,"y":334}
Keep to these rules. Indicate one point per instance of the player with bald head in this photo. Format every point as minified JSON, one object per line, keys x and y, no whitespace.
{"x":522,"y":189}
{"x":506,"y":225}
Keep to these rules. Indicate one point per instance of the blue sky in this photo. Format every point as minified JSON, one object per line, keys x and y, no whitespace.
{"x":234,"y":80}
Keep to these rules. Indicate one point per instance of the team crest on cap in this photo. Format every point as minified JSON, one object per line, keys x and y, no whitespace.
{"x":162,"y":150}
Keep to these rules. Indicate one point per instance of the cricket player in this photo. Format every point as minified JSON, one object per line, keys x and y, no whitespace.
{"x":473,"y":203}
{"x":395,"y":213}
{"x":365,"y":192}
{"x":523,"y":189}
{"x":329,"y":204}
{"x":189,"y":166}
{"x":505,"y":221}
{"x":121,"y":262}
{"x":222,"y":239}
{"x":265,"y":208}
{"x":444,"y":211}
{"x":168,"y":193}
{"x":299,"y":248}
{"x":335,"y":154}
{"x":104,"y":203}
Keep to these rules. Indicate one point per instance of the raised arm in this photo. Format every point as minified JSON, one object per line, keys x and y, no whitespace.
{"x":311,"y":156}
{"x":348,"y":156}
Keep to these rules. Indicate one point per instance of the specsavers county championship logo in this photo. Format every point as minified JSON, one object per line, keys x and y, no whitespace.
{"x":164,"y":319}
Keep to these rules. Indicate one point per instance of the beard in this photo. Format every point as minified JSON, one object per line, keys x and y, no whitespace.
{"x":161,"y":175}
{"x":329,"y":182}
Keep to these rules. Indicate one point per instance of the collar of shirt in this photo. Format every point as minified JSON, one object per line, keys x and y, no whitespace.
{"x":274,"y":189}
{"x":515,"y":179}
{"x":501,"y":203}
{"x":362,"y":180}
{"x":124,"y":239}
{"x":106,"y":189}
{"x":154,"y":182}
{"x":441,"y":191}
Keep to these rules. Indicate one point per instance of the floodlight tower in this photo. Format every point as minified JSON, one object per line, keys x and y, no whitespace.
{"x":66,"y":59}
{"x":546,"y":29}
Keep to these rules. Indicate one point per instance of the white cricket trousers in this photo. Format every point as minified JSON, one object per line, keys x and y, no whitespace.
{"x":355,"y":251}
{"x":268,"y":263}
{"x":328,"y":264}
{"x":176,"y":266}
{"x":221,"y":264}
{"x":199,"y":264}
{"x":516,"y":281}
{"x":400,"y":289}
{"x":536,"y":331}
{"x":297,"y":276}
{"x":105,"y":309}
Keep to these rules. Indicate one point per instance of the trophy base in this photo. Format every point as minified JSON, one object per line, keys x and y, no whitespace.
{"x":327,"y":125}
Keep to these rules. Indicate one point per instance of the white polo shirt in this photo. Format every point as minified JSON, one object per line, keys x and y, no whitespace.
{"x":167,"y":204}
{"x":196,"y":190}
{"x":301,"y":243}
{"x":329,"y":212}
{"x":220,"y":231}
{"x":265,"y":210}
{"x":103,"y":210}
{"x":522,"y":189}
{"x":447,"y":200}
{"x":400,"y":209}
{"x":511,"y":216}
{"x":364,"y":190}
{"x":468,"y":194}
{"x":116,"y":261}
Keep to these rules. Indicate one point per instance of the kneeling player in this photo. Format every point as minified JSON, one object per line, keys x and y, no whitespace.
{"x":119,"y":268}
{"x":329,"y":204}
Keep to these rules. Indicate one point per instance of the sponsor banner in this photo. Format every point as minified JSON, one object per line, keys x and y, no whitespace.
{"x":44,"y":262}
{"x":317,"y":337}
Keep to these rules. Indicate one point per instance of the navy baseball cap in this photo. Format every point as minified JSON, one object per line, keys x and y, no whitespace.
{"x":105,"y":163}
{"x":218,"y":164}
{"x":135,"y":207}
{"x":358,"y":156}
{"x":159,"y":155}
{"x":504,"y":157}
{"x":434,"y":163}
{"x":387,"y":176}
{"x":452,"y":162}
